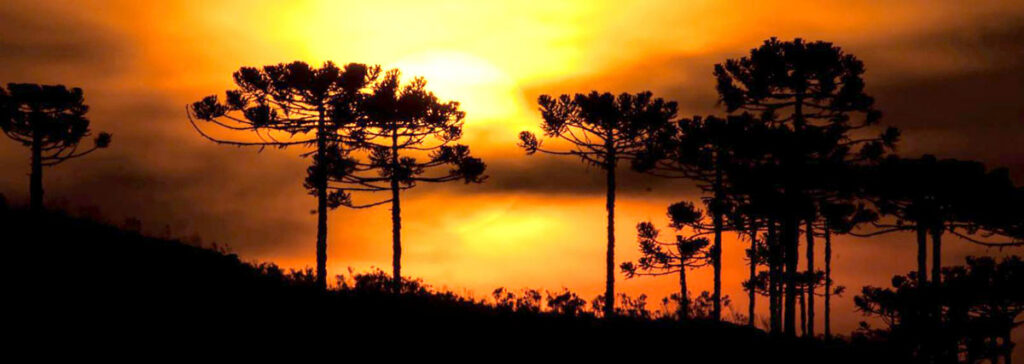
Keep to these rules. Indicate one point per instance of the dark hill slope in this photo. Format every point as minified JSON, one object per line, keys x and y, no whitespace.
{"x":71,"y":273}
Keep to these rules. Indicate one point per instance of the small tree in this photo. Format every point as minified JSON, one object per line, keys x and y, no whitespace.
{"x":565,"y":303}
{"x":51,"y":121}
{"x":396,"y":120}
{"x":705,"y":149}
{"x":287,"y":105}
{"x":746,"y":217}
{"x":662,"y":258}
{"x":601,"y":130}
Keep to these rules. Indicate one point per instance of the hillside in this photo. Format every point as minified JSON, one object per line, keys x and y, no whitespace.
{"x":73,"y":273}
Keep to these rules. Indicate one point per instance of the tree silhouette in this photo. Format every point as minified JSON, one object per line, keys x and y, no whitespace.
{"x":993,"y":292}
{"x":748,"y":227}
{"x":836,"y":208}
{"x":566,"y":303}
{"x":753,"y":257}
{"x":287,"y":105}
{"x":601,"y":130}
{"x":813,"y":89}
{"x":398,"y":120}
{"x":753,"y":190}
{"x":662,"y":258}
{"x":838,"y":217}
{"x":979,"y":306}
{"x":51,"y":121}
{"x":933,"y":197}
{"x":707,"y":150}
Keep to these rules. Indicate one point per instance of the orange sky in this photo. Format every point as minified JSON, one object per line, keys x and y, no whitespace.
{"x":538,"y":222}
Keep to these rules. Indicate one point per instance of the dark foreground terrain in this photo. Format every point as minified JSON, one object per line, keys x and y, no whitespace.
{"x":80,"y":280}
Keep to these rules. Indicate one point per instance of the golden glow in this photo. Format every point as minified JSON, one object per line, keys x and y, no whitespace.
{"x":503,"y":231}
{"x":485,"y":92}
{"x":527,"y":39}
{"x":494,"y":58}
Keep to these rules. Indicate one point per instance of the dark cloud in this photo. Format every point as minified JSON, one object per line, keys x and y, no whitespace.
{"x":41,"y":42}
{"x":685,"y":79}
{"x":157,"y":170}
{"x":565,"y":175}
{"x":975,"y":111}
{"x":955,"y":92}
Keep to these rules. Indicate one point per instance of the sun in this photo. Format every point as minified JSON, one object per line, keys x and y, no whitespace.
{"x":485,"y":92}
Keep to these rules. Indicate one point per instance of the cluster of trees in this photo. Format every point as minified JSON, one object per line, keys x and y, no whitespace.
{"x":366,"y":133}
{"x":969,"y":313}
{"x":799,"y":155}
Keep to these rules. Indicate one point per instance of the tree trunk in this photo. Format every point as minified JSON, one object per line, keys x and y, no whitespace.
{"x":802,"y":301}
{"x":791,"y":227}
{"x":922,"y":255}
{"x":684,"y":296}
{"x":774,"y":279}
{"x":1008,"y":344}
{"x":609,"y":286}
{"x":752,"y":305}
{"x":791,"y":237}
{"x":828,"y":282}
{"x":937,"y":256}
{"x":396,"y":222}
{"x":716,"y":249}
{"x":321,"y":203}
{"x":35,"y":186}
{"x":949,"y":346}
{"x":810,"y":277}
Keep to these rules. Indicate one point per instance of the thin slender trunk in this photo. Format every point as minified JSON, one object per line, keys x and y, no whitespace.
{"x":396,"y":221}
{"x":1008,"y":343}
{"x":937,"y":256}
{"x":949,"y":347}
{"x":752,"y":306}
{"x":791,"y":237}
{"x":774,"y":277}
{"x":35,"y":186}
{"x":609,"y":286}
{"x":716,"y":250}
{"x":802,"y":301}
{"x":922,"y":255}
{"x":828,"y":282}
{"x":684,"y":296}
{"x":791,"y":227}
{"x":810,"y":277}
{"x":321,"y":203}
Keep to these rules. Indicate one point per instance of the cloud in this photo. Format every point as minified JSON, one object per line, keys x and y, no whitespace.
{"x":566,"y":175}
{"x":45,"y":43}
{"x":971,"y":111}
{"x":953,"y":90}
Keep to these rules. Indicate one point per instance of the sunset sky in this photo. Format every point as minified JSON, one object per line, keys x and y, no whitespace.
{"x":950,"y":75}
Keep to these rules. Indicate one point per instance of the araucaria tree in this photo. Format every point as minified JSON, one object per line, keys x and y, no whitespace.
{"x":395,"y":125}
{"x":292,"y":105}
{"x":51,"y":121}
{"x":703,"y":149}
{"x":602,"y":130}
{"x":815,"y":93}
{"x":933,"y":197}
{"x":689,"y":250}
